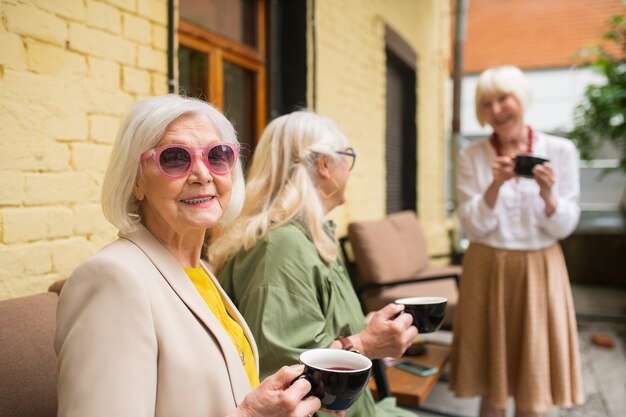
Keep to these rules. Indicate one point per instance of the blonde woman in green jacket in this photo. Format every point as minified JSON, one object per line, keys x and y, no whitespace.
{"x":279,"y":260}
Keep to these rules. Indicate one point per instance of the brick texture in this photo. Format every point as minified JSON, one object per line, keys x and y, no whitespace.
{"x":44,"y":58}
{"x":68,"y":9}
{"x":103,"y":75}
{"x":351,"y":87}
{"x":11,"y":189}
{"x":24,"y":260}
{"x":533,"y":33}
{"x":30,"y":21}
{"x":104,"y":16}
{"x":68,"y":71}
{"x":136,"y":81}
{"x":102,"y":129}
{"x":137,"y":28}
{"x":41,"y":223}
{"x":13,"y":54}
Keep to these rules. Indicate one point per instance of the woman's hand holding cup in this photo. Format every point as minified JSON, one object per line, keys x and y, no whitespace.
{"x":544,"y":176}
{"x":502,"y":169}
{"x":276,"y":396}
{"x":389,"y":332}
{"x":337,"y":377}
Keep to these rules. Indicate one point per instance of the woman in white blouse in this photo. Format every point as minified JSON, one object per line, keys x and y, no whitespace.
{"x":515,"y":328}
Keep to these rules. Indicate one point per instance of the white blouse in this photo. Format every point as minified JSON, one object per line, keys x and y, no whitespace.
{"x":518,"y":220}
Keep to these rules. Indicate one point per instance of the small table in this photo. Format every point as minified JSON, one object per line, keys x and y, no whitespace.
{"x":412,"y":390}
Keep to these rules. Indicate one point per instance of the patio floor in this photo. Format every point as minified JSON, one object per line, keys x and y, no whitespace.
{"x":599,"y":310}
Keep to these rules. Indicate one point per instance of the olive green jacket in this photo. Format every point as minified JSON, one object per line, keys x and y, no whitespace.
{"x":293,"y":301}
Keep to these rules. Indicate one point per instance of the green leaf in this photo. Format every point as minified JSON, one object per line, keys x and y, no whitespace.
{"x":601,"y":115}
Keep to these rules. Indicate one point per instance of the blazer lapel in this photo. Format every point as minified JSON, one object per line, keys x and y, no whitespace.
{"x":178,"y":280}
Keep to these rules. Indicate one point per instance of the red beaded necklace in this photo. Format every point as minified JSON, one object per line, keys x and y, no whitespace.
{"x":495,"y":142}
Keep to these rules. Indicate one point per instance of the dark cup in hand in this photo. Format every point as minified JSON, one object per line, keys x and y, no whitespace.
{"x":337,"y":377}
{"x":524,"y":164}
{"x":427,"y":312}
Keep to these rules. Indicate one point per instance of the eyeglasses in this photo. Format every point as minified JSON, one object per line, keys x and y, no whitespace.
{"x":177,"y":160}
{"x":350,"y":153}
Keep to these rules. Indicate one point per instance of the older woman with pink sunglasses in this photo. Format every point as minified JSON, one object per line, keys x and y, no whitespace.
{"x":144,"y":329}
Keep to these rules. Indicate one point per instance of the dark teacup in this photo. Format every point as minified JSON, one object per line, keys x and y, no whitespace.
{"x":337,"y":377}
{"x":524,"y":165}
{"x":427,"y":312}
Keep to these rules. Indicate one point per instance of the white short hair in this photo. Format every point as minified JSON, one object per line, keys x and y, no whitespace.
{"x":503,"y":79}
{"x":141,"y":130}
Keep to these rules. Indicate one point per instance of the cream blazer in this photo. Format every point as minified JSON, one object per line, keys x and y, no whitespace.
{"x":135,"y":339}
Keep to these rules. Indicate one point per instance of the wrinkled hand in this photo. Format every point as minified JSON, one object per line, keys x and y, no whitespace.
{"x":275,"y":397}
{"x":544,"y":176}
{"x":502,"y":169}
{"x":387,"y":335}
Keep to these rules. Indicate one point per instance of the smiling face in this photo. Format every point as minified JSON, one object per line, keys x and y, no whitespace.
{"x":179,"y":207}
{"x":504,"y":114}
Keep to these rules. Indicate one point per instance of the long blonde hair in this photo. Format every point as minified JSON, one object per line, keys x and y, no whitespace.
{"x":281,"y":185}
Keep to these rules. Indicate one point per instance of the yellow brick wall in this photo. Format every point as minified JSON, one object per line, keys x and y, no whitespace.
{"x":350,"y":87}
{"x":68,"y":70}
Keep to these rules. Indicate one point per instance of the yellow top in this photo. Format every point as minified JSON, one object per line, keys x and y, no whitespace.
{"x":209,"y":293}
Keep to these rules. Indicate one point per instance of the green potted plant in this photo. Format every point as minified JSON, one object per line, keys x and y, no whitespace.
{"x":600,"y":119}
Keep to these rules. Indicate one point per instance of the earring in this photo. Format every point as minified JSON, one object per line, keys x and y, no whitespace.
{"x":332,"y":193}
{"x":136,"y":214}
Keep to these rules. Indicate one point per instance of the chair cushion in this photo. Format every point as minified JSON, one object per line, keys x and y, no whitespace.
{"x":376,"y":299}
{"x":27,"y":359}
{"x":390,"y":249}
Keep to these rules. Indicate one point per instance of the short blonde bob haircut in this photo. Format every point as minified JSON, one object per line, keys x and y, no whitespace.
{"x":506,"y":79}
{"x":281,"y":185}
{"x":141,"y":130}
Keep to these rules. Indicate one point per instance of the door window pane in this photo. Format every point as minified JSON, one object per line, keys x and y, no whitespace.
{"x":234,"y":19}
{"x":239,"y":101}
{"x":193,"y":72}
{"x":401,"y":137}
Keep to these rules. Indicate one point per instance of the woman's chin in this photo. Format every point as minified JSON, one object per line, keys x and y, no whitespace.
{"x":205,"y":220}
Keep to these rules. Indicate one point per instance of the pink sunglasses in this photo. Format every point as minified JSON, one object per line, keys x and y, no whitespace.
{"x":176,"y":160}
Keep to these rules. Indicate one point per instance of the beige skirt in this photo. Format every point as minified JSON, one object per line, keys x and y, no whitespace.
{"x":515,"y":330}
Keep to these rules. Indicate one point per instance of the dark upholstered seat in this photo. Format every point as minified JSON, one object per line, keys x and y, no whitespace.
{"x":392,"y":261}
{"x":28,"y":363}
